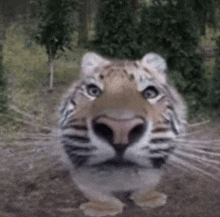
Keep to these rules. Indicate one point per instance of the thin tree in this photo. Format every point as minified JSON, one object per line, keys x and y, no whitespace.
{"x":3,"y":84}
{"x":55,"y":28}
{"x":83,"y":22}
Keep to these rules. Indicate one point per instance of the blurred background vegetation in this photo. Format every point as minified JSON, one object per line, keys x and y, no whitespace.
{"x":186,"y":33}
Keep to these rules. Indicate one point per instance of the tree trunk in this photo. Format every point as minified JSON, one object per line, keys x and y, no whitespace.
{"x":83,"y":29}
{"x":2,"y":22}
{"x":51,"y":70}
{"x":3,"y":97}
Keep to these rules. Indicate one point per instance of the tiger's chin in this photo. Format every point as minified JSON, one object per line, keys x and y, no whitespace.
{"x":100,"y":184}
{"x":117,"y":163}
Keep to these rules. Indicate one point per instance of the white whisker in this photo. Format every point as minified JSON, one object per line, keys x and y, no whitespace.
{"x":192,"y":167}
{"x":211,"y":153}
{"x":198,"y":124}
{"x":177,"y":166}
{"x":198,"y":141}
{"x":198,"y":146}
{"x":191,"y":133}
{"x":200,"y":159}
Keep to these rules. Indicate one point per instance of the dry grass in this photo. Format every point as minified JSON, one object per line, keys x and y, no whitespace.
{"x":28,"y":80}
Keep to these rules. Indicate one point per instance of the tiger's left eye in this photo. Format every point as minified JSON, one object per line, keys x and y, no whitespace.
{"x":150,"y":92}
{"x":93,"y":90}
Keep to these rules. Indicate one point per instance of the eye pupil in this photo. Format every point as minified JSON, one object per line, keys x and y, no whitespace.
{"x":93,"y":90}
{"x":150,"y":92}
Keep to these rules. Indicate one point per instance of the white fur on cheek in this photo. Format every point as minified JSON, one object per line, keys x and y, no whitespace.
{"x":138,"y":152}
{"x":103,"y":152}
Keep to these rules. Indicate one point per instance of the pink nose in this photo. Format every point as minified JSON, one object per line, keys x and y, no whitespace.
{"x":119,"y":133}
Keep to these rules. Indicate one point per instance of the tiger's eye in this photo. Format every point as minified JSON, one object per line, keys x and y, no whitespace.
{"x":93,"y":90}
{"x":150,"y":92}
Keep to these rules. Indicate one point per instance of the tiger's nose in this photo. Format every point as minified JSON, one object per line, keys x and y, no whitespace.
{"x":119,"y":133}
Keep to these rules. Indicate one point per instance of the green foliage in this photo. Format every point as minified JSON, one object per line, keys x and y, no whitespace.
{"x":115,"y":30}
{"x":3,"y":83}
{"x":170,"y":30}
{"x":205,"y":12}
{"x":30,"y":67}
{"x":27,"y":88}
{"x":55,"y":25}
{"x":214,"y":96}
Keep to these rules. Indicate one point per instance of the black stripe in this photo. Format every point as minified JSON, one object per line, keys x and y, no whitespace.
{"x":73,"y":120}
{"x":160,"y":129}
{"x":76,"y":127}
{"x":69,"y":112}
{"x":136,"y":65}
{"x":79,"y":127}
{"x":71,"y":148}
{"x":174,"y":127}
{"x":158,"y":162}
{"x":76,"y":158}
{"x":70,"y":122}
{"x":170,"y":107}
{"x":159,"y":150}
{"x":73,"y":101}
{"x":64,"y":107}
{"x":125,"y":71}
{"x":146,"y":70}
{"x":166,"y":121}
{"x":159,"y":140}
{"x":75,"y":138}
{"x":162,"y":98}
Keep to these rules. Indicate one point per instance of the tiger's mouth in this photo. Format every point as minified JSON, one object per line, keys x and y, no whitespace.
{"x":119,"y":162}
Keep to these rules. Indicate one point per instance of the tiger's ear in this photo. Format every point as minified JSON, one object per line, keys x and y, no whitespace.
{"x":155,"y":61}
{"x":90,"y":61}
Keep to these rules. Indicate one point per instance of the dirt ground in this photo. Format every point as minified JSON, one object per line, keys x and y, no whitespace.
{"x":32,"y":184}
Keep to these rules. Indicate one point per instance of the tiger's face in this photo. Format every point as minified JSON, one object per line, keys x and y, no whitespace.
{"x":121,"y":114}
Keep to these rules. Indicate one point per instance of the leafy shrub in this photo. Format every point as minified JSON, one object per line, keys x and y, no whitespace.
{"x":170,"y":30}
{"x":214,"y":95}
{"x":116,"y":30}
{"x":55,"y":25}
{"x":55,"y":29}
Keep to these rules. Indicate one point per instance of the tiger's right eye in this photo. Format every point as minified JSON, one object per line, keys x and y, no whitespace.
{"x":93,"y":90}
{"x":150,"y":92}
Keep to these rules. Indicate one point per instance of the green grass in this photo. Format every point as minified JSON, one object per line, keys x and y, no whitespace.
{"x":28,"y":83}
{"x":209,"y":38}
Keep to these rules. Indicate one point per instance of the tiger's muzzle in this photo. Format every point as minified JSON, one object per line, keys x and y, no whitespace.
{"x":120,"y":133}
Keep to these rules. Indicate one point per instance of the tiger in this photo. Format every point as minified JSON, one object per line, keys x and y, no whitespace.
{"x":118,"y":125}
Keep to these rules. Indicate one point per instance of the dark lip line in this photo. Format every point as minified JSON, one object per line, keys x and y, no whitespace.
{"x":118,"y":163}
{"x":125,"y":119}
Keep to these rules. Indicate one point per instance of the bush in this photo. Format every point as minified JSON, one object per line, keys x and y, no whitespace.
{"x":116,"y":30}
{"x":55,"y":25}
{"x":170,"y":30}
{"x":55,"y":29}
{"x":214,"y":95}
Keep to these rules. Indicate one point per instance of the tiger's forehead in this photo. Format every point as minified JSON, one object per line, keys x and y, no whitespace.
{"x":126,"y":75}
{"x":127,"y":69}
